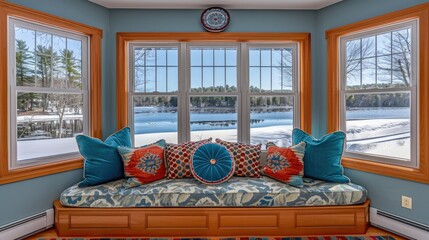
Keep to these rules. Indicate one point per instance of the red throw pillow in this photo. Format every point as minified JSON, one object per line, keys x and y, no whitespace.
{"x":179,"y":157}
{"x":286,"y":164}
{"x":246,"y":158}
{"x":143,"y":165}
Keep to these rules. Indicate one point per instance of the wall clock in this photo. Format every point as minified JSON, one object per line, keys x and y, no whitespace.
{"x":215,"y":19}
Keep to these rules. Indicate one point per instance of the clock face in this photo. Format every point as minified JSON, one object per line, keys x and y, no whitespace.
{"x":215,"y":19}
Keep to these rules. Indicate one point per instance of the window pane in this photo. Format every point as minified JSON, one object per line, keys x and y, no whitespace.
{"x":154,"y":118}
{"x":271,"y":120}
{"x":266,"y":57}
{"x":43,"y":41}
{"x":25,"y":38}
{"x":384,"y":44}
{"x":172,"y":57}
{"x":150,"y":80}
{"x":161,"y":57}
{"x":265,"y":79}
{"x":155,"y":69}
{"x":75,"y":48}
{"x":379,"y":124}
{"x":353,"y":50}
{"x":219,"y":79}
{"x":59,"y":45}
{"x":47,"y":124}
{"x":219,"y":57}
{"x":214,"y":117}
{"x":287,"y":57}
{"x":196,"y":57}
{"x":207,"y":57}
{"x":149,"y":56}
{"x":368,"y":73}
{"x":196,"y":79}
{"x":161,"y":75}
{"x":277,"y":79}
{"x":139,"y":79}
{"x":172,"y":79}
{"x":353,"y":77}
{"x":25,"y":66}
{"x":368,"y":47}
{"x":384,"y":73}
{"x":44,"y":69}
{"x":231,"y":79}
{"x":276,"y":57}
{"x":255,"y":79}
{"x":401,"y":69}
{"x":401,"y":41}
{"x":254,"y":57}
{"x":67,"y":73}
{"x":287,"y":83}
{"x":231,"y":57}
{"x":139,"y":57}
{"x":208,"y":79}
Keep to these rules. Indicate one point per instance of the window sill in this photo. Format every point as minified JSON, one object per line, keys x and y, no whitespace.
{"x":412,"y":174}
{"x":42,"y":170}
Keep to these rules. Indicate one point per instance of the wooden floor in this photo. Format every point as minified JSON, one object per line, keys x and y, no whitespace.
{"x":372,"y":231}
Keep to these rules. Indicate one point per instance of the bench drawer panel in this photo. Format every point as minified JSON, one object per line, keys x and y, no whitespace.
{"x":251,"y":221}
{"x":325,"y":220}
{"x":99,"y":221}
{"x":171,"y":221}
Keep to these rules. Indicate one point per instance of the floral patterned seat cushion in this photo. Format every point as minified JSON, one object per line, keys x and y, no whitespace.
{"x":237,"y":192}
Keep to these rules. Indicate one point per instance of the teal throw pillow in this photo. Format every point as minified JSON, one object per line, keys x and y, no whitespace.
{"x":102,"y":160}
{"x":322,"y":158}
{"x":212,"y":164}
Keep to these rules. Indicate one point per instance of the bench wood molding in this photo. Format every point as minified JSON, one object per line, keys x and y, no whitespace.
{"x":203,"y":222}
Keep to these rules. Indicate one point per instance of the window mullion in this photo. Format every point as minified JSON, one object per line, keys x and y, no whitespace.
{"x":184,"y":123}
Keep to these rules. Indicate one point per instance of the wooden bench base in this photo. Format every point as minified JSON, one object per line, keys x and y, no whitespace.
{"x":203,"y":222}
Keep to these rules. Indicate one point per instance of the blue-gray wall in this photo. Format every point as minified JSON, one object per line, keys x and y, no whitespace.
{"x":21,"y":199}
{"x":24,"y":198}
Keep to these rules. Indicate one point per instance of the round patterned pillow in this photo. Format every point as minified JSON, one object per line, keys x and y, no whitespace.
{"x":212,"y":164}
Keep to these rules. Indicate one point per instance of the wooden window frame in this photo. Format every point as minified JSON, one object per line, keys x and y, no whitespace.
{"x":420,"y":12}
{"x":124,"y":39}
{"x":95,"y":35}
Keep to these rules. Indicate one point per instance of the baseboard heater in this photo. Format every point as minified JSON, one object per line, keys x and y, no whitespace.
{"x":399,"y":225}
{"x":28,"y":226}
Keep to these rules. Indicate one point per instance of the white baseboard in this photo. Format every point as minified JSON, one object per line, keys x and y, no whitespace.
{"x":27,"y":226}
{"x":399,"y":225}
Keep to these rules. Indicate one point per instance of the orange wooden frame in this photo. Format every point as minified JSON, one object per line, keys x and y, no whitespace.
{"x":420,"y":12}
{"x":123,"y":40}
{"x":205,"y":222}
{"x":95,"y":35}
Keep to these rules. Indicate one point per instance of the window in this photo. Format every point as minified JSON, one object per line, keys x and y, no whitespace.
{"x":50,"y":92}
{"x":378,"y":99}
{"x":247,"y":92}
{"x":377,"y":87}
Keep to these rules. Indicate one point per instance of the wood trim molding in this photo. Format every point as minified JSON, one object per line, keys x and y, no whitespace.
{"x":123,"y":40}
{"x":421,"y":12}
{"x":213,"y":221}
{"x":6,"y":10}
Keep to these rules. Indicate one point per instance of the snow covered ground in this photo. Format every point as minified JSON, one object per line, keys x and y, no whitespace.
{"x":47,"y":147}
{"x":281,"y":135}
{"x":389,"y":137}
